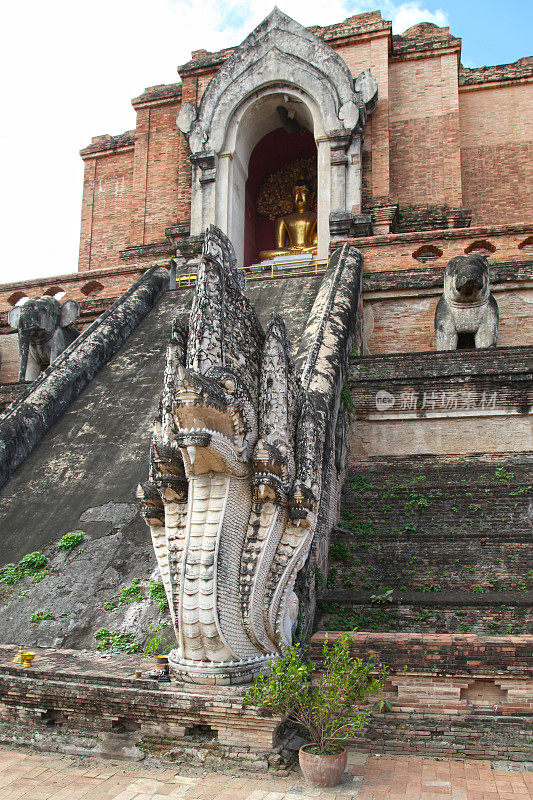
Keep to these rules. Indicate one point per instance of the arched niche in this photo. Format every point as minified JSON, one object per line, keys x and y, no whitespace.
{"x":252,"y":121}
{"x":279,"y":63}
{"x":277,"y":150}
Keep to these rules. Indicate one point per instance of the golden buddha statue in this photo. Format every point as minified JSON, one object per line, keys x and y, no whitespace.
{"x":296,"y":232}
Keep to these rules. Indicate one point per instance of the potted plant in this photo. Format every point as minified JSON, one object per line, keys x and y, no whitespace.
{"x":331,"y":705}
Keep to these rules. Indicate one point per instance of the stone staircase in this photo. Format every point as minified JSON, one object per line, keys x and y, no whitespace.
{"x":433,"y":544}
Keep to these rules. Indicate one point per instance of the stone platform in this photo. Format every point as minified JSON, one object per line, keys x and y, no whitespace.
{"x":89,"y":694}
{"x":450,"y":695}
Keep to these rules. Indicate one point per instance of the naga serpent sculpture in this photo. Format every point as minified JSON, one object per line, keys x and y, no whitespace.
{"x":245,"y":464}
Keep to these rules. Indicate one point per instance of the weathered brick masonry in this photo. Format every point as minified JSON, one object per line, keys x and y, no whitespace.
{"x":433,"y":543}
{"x":450,"y":695}
{"x":72,"y":692}
{"x":433,"y":140}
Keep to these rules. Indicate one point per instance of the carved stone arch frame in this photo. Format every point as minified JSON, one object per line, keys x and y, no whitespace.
{"x":279,"y":63}
{"x":240,"y":140}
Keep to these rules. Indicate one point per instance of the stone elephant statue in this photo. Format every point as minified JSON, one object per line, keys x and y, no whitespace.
{"x":467,"y":313}
{"x":44,"y":331}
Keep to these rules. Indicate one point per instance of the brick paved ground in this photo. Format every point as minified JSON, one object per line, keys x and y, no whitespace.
{"x":30,"y":776}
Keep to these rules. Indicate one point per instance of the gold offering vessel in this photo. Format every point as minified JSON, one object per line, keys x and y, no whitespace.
{"x":24,"y":657}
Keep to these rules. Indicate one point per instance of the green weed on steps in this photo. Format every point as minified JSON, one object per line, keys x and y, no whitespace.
{"x":38,"y":616}
{"x":156,"y":592}
{"x":136,"y":592}
{"x":131,"y":594}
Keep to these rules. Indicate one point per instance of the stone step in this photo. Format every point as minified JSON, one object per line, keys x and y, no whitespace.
{"x":405,"y":559}
{"x":492,"y":613}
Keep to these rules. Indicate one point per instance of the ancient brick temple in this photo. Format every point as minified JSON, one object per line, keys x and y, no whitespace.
{"x":376,"y":197}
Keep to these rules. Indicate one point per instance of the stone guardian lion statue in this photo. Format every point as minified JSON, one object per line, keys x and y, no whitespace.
{"x":466,"y":306}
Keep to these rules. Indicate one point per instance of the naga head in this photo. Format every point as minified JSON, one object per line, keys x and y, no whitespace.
{"x":214,"y":423}
{"x":241,"y":434}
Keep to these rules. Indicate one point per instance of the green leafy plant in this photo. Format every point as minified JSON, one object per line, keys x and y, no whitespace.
{"x":117,"y":641}
{"x":70,"y":540}
{"x":135,"y":592}
{"x":346,"y":399}
{"x":131,"y":594}
{"x":384,"y":597}
{"x":332,"y":578}
{"x":360,"y":484}
{"x":40,"y":615}
{"x":32,"y":564}
{"x":331,"y":706}
{"x":154,"y":645}
{"x":502,"y":475}
{"x":508,"y":630}
{"x":339,"y":551}
{"x":156,"y":592}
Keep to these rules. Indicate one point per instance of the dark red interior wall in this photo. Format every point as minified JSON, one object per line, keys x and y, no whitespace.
{"x":274,"y":151}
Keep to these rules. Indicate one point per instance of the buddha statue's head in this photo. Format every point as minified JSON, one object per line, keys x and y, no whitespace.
{"x":301,"y":196}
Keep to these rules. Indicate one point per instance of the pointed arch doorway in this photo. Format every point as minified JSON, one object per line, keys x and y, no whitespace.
{"x":279,"y":63}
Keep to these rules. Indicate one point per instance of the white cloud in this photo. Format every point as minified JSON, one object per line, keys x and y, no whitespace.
{"x":70,"y":70}
{"x":406,"y":15}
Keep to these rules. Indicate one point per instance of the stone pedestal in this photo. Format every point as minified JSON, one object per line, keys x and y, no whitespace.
{"x":345,"y":223}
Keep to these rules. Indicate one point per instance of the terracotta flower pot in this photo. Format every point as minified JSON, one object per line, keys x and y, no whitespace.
{"x":322,"y":770}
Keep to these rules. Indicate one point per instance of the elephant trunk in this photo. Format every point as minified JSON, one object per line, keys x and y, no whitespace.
{"x":24,"y":347}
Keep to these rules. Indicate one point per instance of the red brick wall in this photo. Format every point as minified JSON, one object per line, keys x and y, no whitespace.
{"x":426,"y":137}
{"x":106,"y":209}
{"x":373,"y":53}
{"x":396,"y":251}
{"x":497,"y":153}
{"x":78,"y":287}
{"x":454,"y":654}
{"x":156,"y":173}
{"x":424,"y":131}
{"x":9,"y":358}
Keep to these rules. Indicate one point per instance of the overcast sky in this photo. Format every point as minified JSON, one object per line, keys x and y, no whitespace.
{"x":69,"y":71}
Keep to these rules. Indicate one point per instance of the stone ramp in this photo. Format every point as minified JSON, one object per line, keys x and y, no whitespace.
{"x":84,"y":472}
{"x":44,"y":400}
